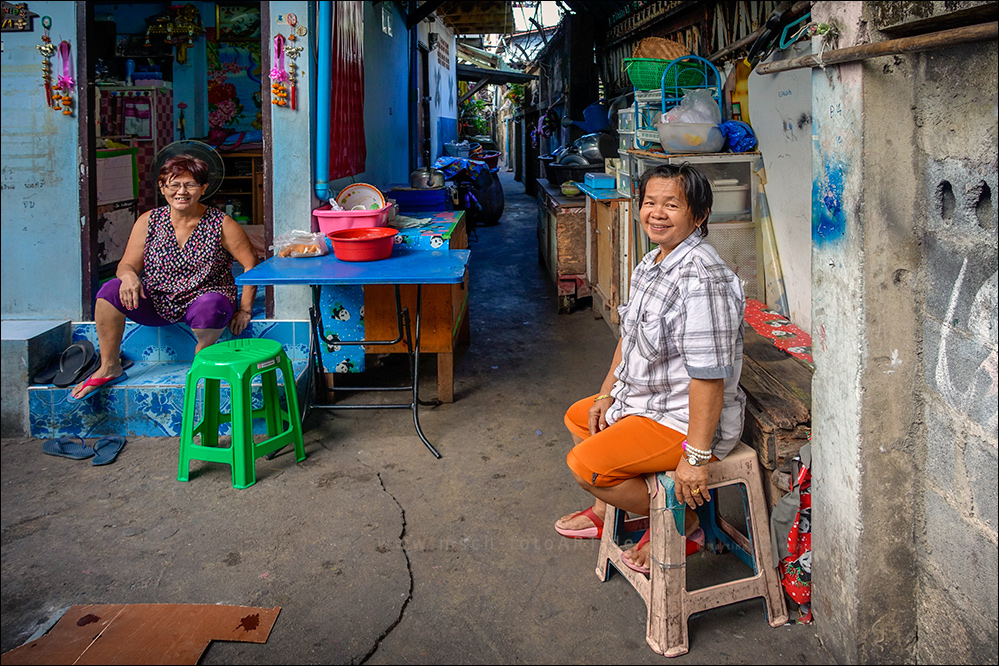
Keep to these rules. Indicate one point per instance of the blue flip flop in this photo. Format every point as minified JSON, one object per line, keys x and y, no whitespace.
{"x":68,"y":447}
{"x":107,"y":449}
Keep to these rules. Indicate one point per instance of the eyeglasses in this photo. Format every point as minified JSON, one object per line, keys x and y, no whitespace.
{"x":175,"y":187}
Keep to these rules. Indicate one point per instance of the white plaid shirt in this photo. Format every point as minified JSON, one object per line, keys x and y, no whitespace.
{"x":684,"y":320}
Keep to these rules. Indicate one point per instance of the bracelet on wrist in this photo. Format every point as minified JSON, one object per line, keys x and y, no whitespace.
{"x":694,"y":456}
{"x":602,"y":396}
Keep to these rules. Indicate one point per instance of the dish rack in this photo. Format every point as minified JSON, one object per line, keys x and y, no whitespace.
{"x":684,"y":74}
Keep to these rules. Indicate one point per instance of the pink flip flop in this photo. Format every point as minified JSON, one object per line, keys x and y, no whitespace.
{"x":98,"y":383}
{"x":594,"y":532}
{"x":694,"y":543}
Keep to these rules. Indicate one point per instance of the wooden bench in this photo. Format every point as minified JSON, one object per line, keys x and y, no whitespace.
{"x":778,"y":408}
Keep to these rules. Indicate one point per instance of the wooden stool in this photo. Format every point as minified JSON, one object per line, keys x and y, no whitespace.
{"x":665,"y":590}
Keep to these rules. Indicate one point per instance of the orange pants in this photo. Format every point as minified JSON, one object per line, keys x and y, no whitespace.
{"x":631,"y":447}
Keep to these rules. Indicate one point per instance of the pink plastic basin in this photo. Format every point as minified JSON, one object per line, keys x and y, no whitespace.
{"x":337,"y":220}
{"x":368,"y":244}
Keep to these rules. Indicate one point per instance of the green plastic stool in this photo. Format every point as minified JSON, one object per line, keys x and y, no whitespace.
{"x":238,"y":362}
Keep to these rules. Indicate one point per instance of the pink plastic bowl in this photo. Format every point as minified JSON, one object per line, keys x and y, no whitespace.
{"x":368,"y":244}
{"x":337,"y":220}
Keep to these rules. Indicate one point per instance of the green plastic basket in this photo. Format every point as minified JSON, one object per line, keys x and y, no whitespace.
{"x":647,"y":73}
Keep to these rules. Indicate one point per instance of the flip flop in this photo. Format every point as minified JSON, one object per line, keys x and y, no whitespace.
{"x":107,"y":449}
{"x":72,"y":362}
{"x":68,"y":447}
{"x":48,"y":373}
{"x":694,"y":543}
{"x":594,"y":532}
{"x":99,"y":382}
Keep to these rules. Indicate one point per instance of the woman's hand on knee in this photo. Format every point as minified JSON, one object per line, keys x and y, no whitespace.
{"x":598,"y":415}
{"x":130,"y":291}
{"x":240,"y":320}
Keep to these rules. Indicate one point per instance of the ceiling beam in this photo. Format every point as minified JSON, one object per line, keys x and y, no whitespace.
{"x":422,"y":12}
{"x":479,"y":85}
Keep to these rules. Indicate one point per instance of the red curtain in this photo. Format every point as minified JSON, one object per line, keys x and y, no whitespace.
{"x":348,"y":151}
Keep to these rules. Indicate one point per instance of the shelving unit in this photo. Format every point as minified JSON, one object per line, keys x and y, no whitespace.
{"x":243,"y":186}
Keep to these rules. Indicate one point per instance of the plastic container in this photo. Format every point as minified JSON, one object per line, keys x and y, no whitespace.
{"x":329,"y":221}
{"x":625,"y":140}
{"x":690,"y":137}
{"x":370,"y":244}
{"x":490,"y":157}
{"x":599,"y":181}
{"x":624,"y":182}
{"x":730,"y":197}
{"x":626,"y":120}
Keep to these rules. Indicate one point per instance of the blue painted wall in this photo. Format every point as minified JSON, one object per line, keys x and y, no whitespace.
{"x":41,"y":270}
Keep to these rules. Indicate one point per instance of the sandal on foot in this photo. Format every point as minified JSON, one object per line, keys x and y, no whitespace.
{"x":98,"y":383}
{"x":68,"y":447}
{"x":694,"y":543}
{"x":594,"y":532}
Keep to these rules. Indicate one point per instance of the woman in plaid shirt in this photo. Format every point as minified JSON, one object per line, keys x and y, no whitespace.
{"x":671,"y":400}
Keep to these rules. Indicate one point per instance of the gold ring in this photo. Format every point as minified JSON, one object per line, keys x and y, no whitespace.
{"x":696,"y":491}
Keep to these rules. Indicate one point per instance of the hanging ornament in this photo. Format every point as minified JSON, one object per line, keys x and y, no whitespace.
{"x":279,"y":91}
{"x":47,"y":49}
{"x":292,"y":52}
{"x":65,"y":81}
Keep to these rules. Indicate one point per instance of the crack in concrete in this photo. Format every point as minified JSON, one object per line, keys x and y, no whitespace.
{"x":409,"y":571}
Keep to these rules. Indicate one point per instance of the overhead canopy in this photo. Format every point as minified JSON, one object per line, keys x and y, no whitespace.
{"x":484,"y":77}
{"x":494,"y":76}
{"x":482,"y":17}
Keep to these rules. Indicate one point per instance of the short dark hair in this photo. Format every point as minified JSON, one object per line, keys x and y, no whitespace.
{"x":177,"y":165}
{"x":695,"y":187}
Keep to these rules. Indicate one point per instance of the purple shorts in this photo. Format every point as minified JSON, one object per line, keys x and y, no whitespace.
{"x":209,"y":310}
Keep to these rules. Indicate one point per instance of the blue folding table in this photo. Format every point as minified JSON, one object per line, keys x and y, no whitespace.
{"x":405,"y":266}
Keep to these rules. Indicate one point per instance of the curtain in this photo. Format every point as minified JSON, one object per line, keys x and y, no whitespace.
{"x":348,"y":151}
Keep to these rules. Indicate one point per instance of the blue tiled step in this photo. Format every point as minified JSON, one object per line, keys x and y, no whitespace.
{"x":149,"y":403}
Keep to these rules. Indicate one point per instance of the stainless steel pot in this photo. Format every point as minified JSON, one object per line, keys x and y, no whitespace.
{"x":425,"y":178}
{"x":595,"y":147}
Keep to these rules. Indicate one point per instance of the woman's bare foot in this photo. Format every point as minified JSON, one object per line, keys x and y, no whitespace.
{"x":112,"y":370}
{"x":640,"y":556}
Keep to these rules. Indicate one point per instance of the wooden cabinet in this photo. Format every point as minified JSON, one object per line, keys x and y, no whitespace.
{"x":243,"y":186}
{"x":562,"y":243}
{"x":608,"y":224}
{"x":444,"y":322}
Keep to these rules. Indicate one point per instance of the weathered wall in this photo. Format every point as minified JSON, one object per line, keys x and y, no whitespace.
{"x":40,"y":198}
{"x":904,"y":321}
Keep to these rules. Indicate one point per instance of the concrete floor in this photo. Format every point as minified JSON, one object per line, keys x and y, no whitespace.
{"x":375,"y":551}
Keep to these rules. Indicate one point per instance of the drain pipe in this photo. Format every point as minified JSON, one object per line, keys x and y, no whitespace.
{"x":933,"y":40}
{"x":324,"y":75}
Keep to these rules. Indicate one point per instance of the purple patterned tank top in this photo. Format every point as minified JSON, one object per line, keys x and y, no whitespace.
{"x":174,"y":277}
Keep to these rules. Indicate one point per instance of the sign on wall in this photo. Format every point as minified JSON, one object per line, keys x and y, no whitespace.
{"x":17,"y":17}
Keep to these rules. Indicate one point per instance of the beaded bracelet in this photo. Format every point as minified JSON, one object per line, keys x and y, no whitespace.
{"x":699,"y":454}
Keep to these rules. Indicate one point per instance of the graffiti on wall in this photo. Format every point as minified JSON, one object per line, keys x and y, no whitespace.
{"x":828,"y":216}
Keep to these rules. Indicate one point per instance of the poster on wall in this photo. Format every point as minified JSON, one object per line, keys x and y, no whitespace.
{"x":234,"y":98}
{"x":237,"y":22}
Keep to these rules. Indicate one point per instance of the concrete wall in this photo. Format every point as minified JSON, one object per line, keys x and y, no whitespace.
{"x":40,"y":201}
{"x":904,"y":325}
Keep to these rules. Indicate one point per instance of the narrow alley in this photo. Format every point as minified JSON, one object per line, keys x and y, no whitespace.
{"x":375,"y":551}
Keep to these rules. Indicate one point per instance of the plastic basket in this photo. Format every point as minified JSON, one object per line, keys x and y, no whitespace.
{"x":647,"y":73}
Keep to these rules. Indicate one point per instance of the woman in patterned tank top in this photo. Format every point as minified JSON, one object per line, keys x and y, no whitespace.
{"x":177,"y":267}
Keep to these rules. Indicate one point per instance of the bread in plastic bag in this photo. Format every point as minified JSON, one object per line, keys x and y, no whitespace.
{"x":300,"y":244}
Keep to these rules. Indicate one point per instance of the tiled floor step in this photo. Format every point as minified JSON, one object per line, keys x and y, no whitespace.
{"x":149,"y":403}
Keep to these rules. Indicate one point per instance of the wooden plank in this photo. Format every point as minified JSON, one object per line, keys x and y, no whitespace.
{"x":795,"y":377}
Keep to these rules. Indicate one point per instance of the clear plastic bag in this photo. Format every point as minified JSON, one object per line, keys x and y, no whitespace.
{"x":300,"y":244}
{"x":697,"y":106}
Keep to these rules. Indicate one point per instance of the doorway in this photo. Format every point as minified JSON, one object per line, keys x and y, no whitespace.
{"x":160,"y":73}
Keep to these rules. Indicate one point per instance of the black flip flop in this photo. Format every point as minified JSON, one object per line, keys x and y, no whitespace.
{"x":72,"y":362}
{"x":48,"y":373}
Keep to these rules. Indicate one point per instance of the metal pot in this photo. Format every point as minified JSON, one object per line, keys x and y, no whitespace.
{"x":595,"y":147}
{"x":425,"y":179}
